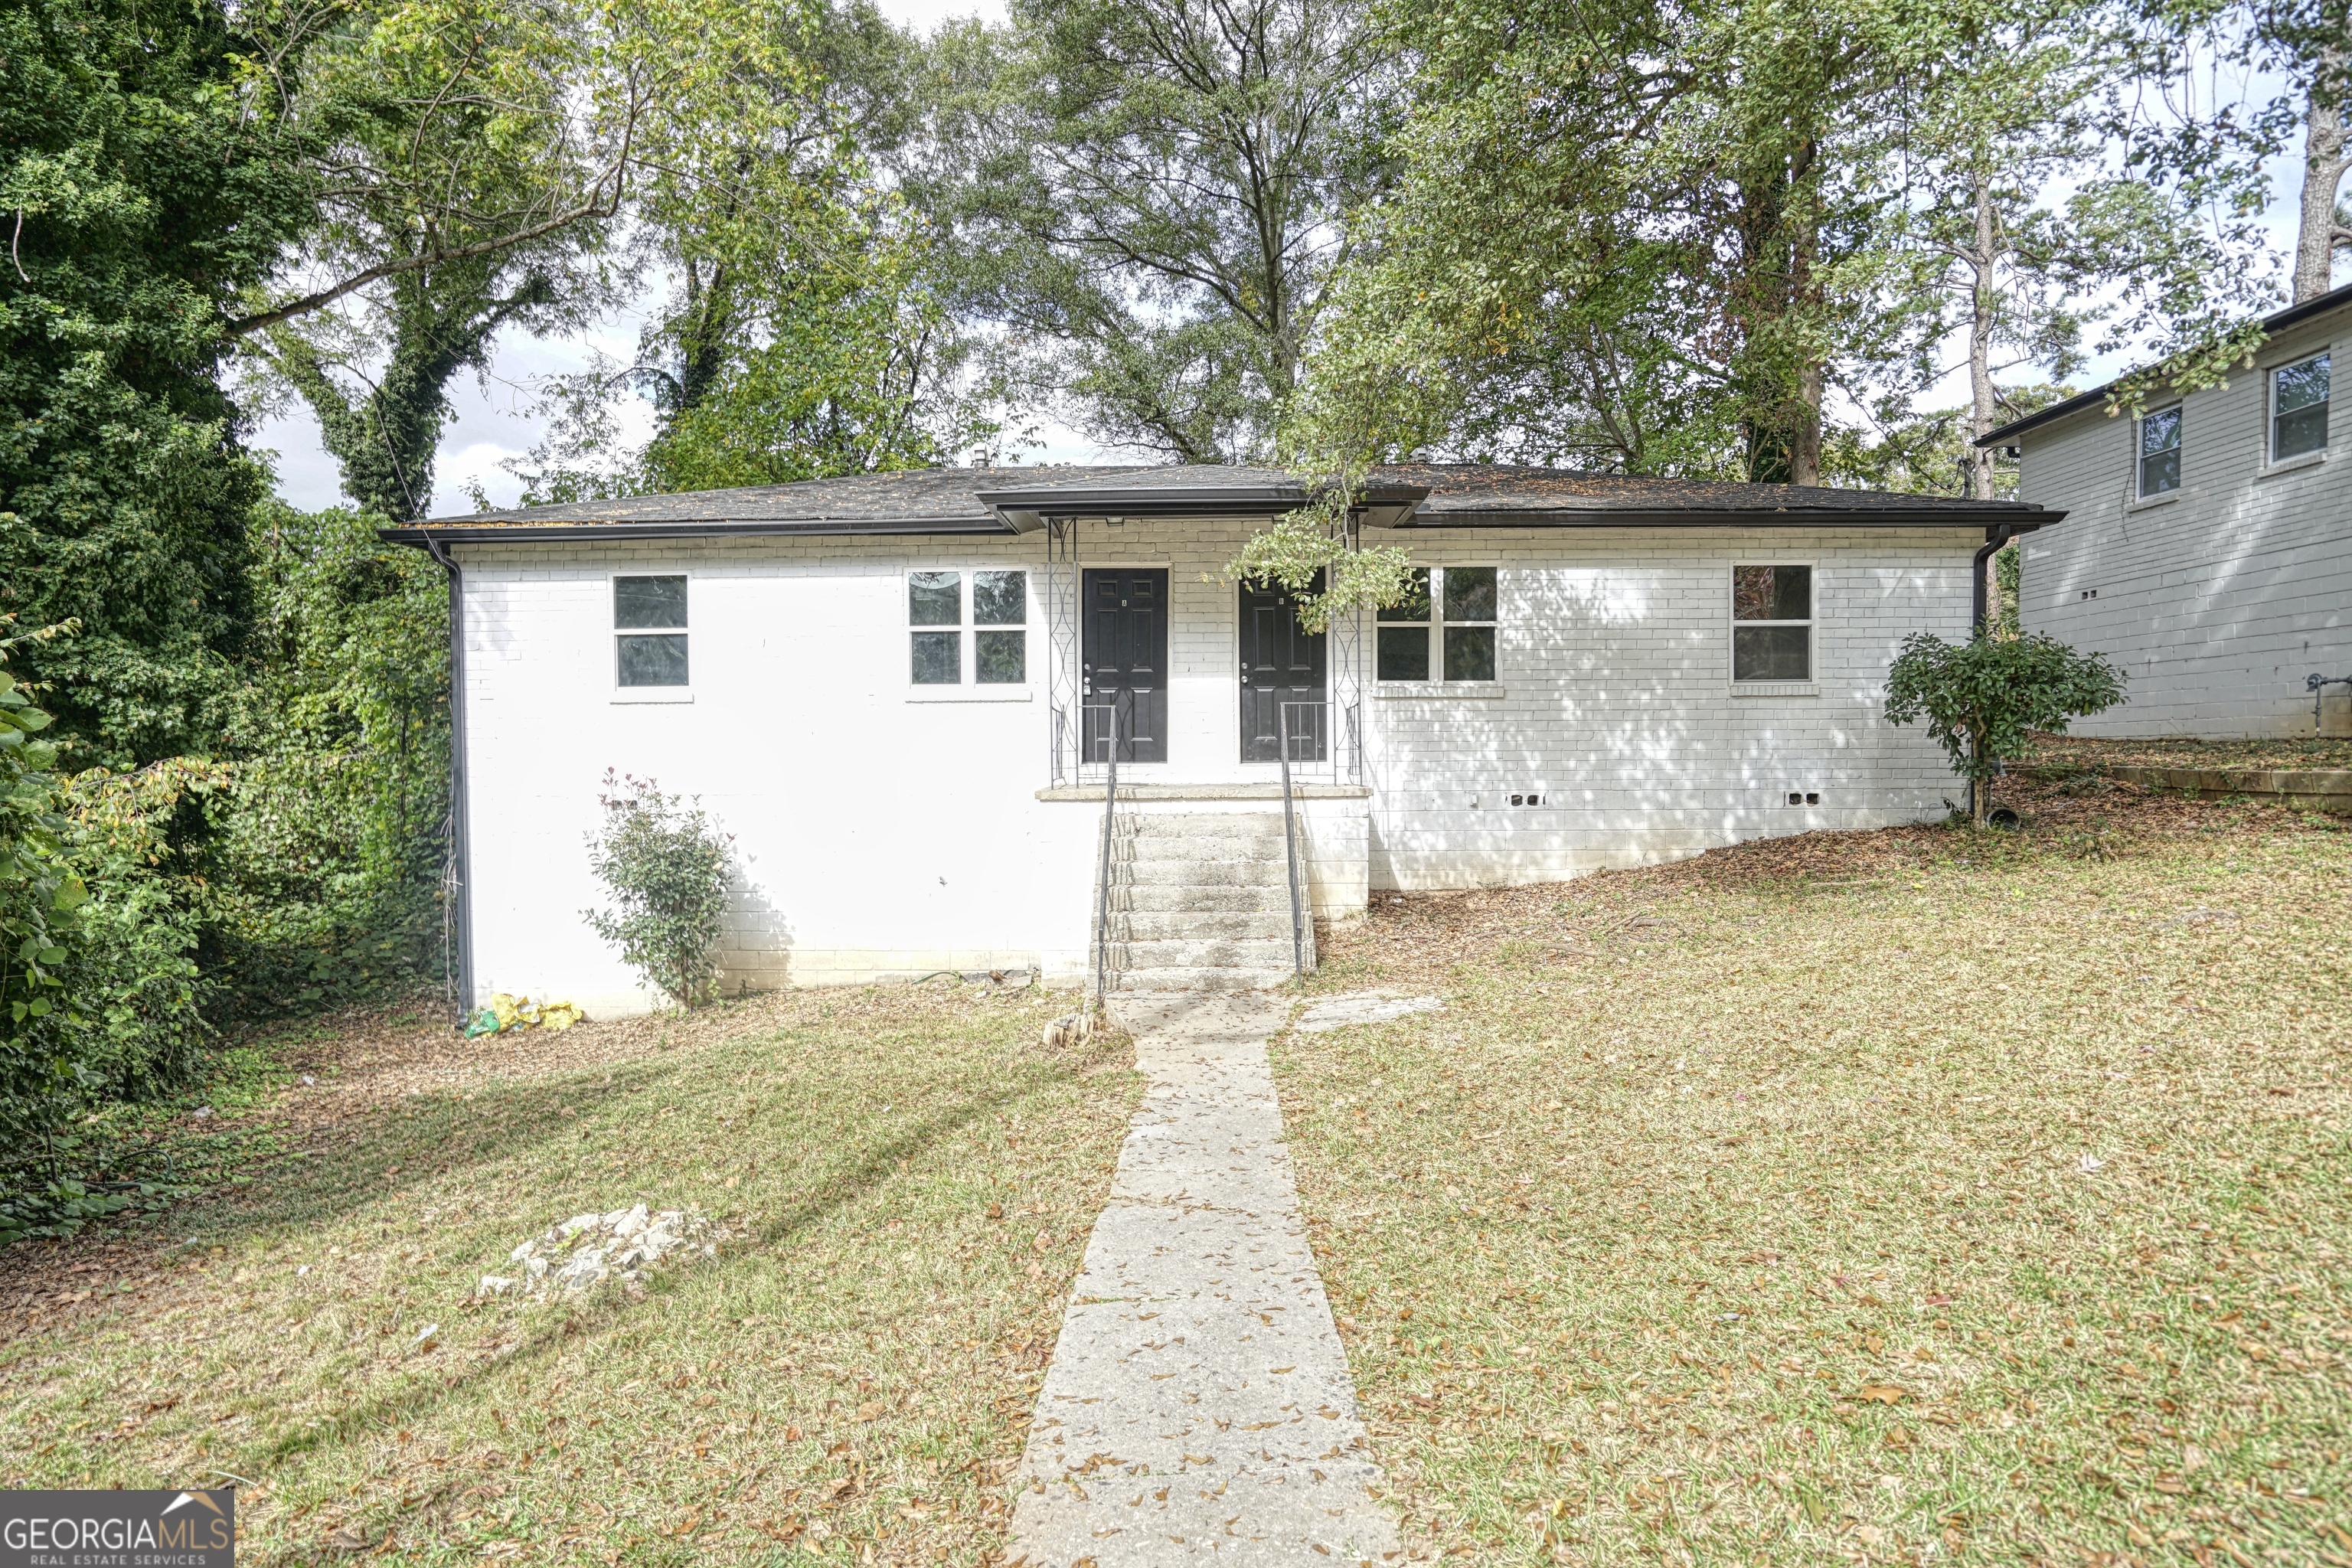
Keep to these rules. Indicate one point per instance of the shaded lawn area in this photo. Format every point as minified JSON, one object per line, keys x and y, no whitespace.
{"x":903,"y":1181}
{"x":1914,"y":1196}
{"x":2295,"y":753}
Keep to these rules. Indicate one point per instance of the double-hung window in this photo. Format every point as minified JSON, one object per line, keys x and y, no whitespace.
{"x":991,"y":640}
{"x":2160,"y":451}
{"x":1444,"y":628}
{"x":649,"y":631}
{"x":2299,"y":408}
{"x":1771,"y":622}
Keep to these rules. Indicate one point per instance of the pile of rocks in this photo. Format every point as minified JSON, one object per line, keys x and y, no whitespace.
{"x":587,"y":1250}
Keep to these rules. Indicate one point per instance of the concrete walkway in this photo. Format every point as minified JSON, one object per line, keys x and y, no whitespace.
{"x":1198,"y":1408}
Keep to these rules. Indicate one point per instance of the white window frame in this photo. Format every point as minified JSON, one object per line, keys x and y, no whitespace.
{"x":2140,"y":454}
{"x":2270,"y":458}
{"x":614,"y":634}
{"x":1811,"y":683}
{"x":969,"y":687}
{"x":1443,"y":684}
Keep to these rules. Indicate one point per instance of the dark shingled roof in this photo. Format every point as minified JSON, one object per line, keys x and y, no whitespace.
{"x":1406,"y":495}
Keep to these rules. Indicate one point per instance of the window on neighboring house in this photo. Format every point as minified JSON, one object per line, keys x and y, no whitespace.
{"x":1771,"y":622}
{"x":2160,"y":451}
{"x":999,"y":654}
{"x":650,"y":630}
{"x":2299,"y":408}
{"x":1443,"y":630}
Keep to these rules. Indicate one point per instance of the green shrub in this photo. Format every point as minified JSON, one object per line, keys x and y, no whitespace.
{"x":322,"y":849}
{"x":669,"y":871}
{"x":1982,"y":698}
{"x":100,"y":999}
{"x":39,"y":926}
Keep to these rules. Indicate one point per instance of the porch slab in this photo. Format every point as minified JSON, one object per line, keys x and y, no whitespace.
{"x":1093,"y":793}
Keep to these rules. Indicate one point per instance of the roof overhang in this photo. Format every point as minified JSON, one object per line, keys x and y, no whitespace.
{"x":1026,"y":510}
{"x":446,"y":533}
{"x":1390,"y":508}
{"x":2020,"y":519}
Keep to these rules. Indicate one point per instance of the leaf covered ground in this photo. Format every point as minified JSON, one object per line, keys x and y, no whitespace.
{"x":2294,"y":754}
{"x":1917,"y":1196}
{"x":903,"y":1181}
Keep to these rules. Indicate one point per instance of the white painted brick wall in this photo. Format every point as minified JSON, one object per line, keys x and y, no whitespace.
{"x":878,"y":836}
{"x":2217,"y":600}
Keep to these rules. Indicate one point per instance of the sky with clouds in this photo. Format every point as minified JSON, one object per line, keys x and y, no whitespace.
{"x":493,"y":421}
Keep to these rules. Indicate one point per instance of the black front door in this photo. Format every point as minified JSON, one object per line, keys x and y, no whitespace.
{"x":1282,"y":663}
{"x":1123,"y":653}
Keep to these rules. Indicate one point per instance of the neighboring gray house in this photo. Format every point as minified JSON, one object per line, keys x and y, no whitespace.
{"x":2208,"y":543}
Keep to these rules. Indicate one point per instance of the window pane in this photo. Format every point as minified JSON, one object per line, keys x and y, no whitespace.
{"x":2305,"y":430}
{"x":1771,"y":593}
{"x":1404,"y":653}
{"x":2302,"y":386}
{"x":938,"y":658}
{"x":1770,"y":653}
{"x":648,"y":601}
{"x":652,"y":661}
{"x":1415,"y":605}
{"x":934,"y":599}
{"x":998,"y":658}
{"x":1000,"y":599}
{"x":2299,"y":408}
{"x":1469,"y":595}
{"x":2159,"y":472}
{"x":1469,"y":650}
{"x":2160,"y":432}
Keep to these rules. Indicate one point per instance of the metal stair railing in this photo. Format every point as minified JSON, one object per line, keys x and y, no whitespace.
{"x":1290,"y":829}
{"x":1102,"y":884}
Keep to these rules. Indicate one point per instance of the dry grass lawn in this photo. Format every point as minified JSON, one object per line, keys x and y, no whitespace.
{"x":905,"y":1181}
{"x":1903,"y":1197}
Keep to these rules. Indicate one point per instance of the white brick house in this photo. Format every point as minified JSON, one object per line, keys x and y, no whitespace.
{"x":2206,"y":546}
{"x":891,"y":691}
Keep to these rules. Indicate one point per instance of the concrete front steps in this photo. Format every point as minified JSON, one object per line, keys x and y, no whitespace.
{"x":1200,"y":901}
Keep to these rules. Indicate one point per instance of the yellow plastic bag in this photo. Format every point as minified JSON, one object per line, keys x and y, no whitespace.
{"x":560,"y":1015}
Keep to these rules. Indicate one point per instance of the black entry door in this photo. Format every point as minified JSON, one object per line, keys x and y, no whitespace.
{"x":1125,"y":654}
{"x":1281,"y":663}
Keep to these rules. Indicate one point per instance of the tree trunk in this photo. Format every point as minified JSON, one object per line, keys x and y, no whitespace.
{"x":385,"y":441}
{"x":1805,"y":443}
{"x":2323,"y":164}
{"x":1983,"y":403}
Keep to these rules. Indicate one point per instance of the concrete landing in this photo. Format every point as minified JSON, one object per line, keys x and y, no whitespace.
{"x":1198,"y":1408}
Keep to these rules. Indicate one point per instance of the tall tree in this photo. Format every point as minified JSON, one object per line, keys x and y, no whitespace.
{"x":1151,"y":197}
{"x":805,"y":332}
{"x":1677,"y":208}
{"x":2321,"y":229}
{"x":467,"y":157}
{"x":2007,"y":104}
{"x":140,"y":200}
{"x":472,"y":159}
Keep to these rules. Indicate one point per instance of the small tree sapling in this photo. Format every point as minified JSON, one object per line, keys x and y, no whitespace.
{"x":1981,"y":697}
{"x":667,"y":869}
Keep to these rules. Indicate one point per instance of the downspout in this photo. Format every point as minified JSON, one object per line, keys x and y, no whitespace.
{"x":461,"y":897}
{"x":1996,"y":536}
